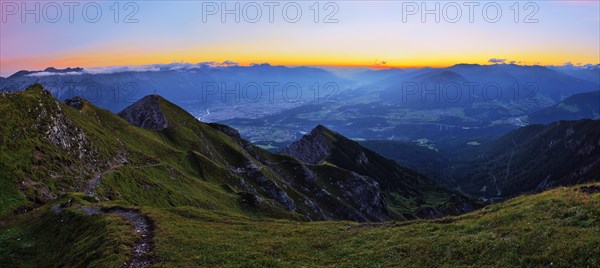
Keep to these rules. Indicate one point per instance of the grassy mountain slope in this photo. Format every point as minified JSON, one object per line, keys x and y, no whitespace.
{"x":51,"y":149}
{"x":533,"y":158}
{"x":43,"y":238}
{"x":405,"y":189}
{"x":554,"y":228}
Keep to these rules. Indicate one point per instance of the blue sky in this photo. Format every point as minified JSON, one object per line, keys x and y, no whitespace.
{"x":367,"y":33}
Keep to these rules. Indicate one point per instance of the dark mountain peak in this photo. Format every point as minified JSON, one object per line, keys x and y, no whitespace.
{"x":323,"y":144}
{"x":78,"y":103}
{"x":152,"y":97}
{"x":312,"y":148}
{"x":443,"y":75}
{"x":20,"y":73}
{"x":448,"y":73}
{"x":66,"y":70}
{"x":324,"y":131}
{"x":23,"y":73}
{"x":38,"y":88}
{"x":146,"y":113}
{"x":75,"y":102}
{"x":465,"y":65}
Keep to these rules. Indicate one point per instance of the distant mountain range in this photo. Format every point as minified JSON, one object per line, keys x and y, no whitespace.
{"x":588,"y":72}
{"x":578,"y":106}
{"x":465,"y":101}
{"x":50,"y":71}
{"x":195,"y":87}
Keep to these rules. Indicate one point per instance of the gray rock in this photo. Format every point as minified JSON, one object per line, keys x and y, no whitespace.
{"x":60,"y":131}
{"x":366,"y":195}
{"x":146,"y":113}
{"x":311,"y":148}
{"x":251,"y":200}
{"x":274,"y":191}
{"x":75,"y":102}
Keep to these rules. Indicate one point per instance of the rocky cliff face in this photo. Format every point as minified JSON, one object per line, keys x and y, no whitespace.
{"x":365,"y":192}
{"x":311,"y":148}
{"x":146,"y":113}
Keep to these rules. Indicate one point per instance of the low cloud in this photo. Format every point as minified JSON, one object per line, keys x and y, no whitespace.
{"x":176,"y":66}
{"x":122,"y":69}
{"x":39,"y":74}
{"x":379,"y":63}
{"x":579,"y":65}
{"x":496,"y":60}
{"x":229,"y":63}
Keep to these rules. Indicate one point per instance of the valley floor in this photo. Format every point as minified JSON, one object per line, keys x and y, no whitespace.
{"x":559,"y":228}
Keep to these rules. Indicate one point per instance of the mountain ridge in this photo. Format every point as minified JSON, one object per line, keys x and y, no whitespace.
{"x":323,"y":145}
{"x":112,"y":159}
{"x":575,"y":107}
{"x":533,"y":158}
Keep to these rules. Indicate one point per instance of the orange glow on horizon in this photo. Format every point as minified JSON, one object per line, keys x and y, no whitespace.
{"x":129,"y":58}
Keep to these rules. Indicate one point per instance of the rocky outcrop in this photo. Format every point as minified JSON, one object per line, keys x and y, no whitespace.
{"x":251,"y":200}
{"x":275,"y":192}
{"x":311,"y":148}
{"x":75,"y":102}
{"x":232,"y":132}
{"x":269,"y":187}
{"x":365,"y":193}
{"x":146,"y":113}
{"x":229,"y":131}
{"x":60,"y":131}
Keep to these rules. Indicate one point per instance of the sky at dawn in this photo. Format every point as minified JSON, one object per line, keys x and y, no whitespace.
{"x":38,"y":34}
